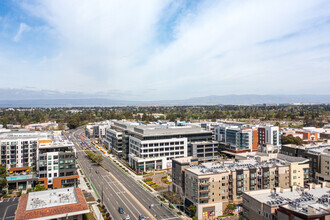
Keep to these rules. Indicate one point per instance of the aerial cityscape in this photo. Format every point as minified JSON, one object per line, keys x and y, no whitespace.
{"x":164,"y":110}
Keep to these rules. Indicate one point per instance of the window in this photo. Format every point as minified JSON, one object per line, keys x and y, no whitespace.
{"x":49,"y":175}
{"x":294,"y":171}
{"x":49,"y":157}
{"x":49,"y":168}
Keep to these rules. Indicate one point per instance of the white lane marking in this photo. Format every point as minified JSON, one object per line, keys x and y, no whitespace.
{"x":122,"y":199}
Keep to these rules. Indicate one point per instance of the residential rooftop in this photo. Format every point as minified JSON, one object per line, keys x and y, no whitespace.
{"x":248,"y":163}
{"x":313,"y":201}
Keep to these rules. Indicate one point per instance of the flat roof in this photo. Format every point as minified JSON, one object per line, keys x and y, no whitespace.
{"x":307,"y":201}
{"x":57,"y":202}
{"x":250,"y":162}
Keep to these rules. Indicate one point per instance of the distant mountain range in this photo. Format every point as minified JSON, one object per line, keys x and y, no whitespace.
{"x":207,"y":100}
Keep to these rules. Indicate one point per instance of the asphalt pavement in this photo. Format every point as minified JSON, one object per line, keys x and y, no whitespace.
{"x":8,"y":207}
{"x":114,"y":192}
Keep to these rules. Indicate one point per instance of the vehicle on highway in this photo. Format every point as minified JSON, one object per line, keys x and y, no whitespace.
{"x":141,"y":217}
{"x":121,"y":210}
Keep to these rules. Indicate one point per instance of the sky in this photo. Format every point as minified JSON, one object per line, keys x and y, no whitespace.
{"x":163,"y":49}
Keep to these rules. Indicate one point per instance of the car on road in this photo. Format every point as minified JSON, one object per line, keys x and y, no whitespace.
{"x":141,"y":217}
{"x":120,"y":210}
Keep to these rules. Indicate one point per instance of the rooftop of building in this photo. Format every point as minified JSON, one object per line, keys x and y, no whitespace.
{"x":312,"y":201}
{"x":185,"y":159}
{"x":313,"y":149}
{"x":150,"y":130}
{"x":42,"y":204}
{"x":249,"y":162}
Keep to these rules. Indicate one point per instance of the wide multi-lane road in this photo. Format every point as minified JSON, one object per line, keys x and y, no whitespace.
{"x":119,"y":189}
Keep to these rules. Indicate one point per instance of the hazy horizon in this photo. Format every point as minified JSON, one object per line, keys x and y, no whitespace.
{"x":163,"y":50}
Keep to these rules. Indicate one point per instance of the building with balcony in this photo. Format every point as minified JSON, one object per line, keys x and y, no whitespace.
{"x":290,"y":203}
{"x":56,"y":164}
{"x":212,"y":186}
{"x":319,"y":159}
{"x":18,"y":148}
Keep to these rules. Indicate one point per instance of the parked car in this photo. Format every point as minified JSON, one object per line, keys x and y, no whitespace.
{"x":121,"y":210}
{"x":141,"y":217}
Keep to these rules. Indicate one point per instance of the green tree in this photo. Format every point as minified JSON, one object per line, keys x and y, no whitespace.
{"x":192,"y":209}
{"x":38,"y":187}
{"x":73,"y":123}
{"x":3,"y":180}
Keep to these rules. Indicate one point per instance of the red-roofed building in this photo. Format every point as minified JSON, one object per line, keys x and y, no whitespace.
{"x":65,"y":203}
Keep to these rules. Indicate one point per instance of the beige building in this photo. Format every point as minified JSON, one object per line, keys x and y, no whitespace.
{"x":290,"y":203}
{"x":212,"y":186}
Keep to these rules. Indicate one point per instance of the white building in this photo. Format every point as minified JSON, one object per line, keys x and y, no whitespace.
{"x":154,"y":146}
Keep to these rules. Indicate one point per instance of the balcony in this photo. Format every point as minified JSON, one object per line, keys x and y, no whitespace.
{"x":204,"y":190}
{"x":204,"y":184}
{"x":204,"y":198}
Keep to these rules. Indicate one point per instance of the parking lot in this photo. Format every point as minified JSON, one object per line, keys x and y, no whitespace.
{"x":7,"y":208}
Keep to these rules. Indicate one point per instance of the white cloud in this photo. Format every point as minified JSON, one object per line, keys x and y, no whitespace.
{"x":22,"y":28}
{"x":221,"y":47}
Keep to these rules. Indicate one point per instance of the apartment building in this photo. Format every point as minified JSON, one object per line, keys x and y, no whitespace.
{"x":212,"y":186}
{"x":48,"y":153}
{"x":269,"y":135}
{"x":318,"y":156}
{"x":19,"y":148}
{"x":154,"y":146}
{"x":290,"y":203}
{"x":56,"y":164}
{"x":179,"y":165}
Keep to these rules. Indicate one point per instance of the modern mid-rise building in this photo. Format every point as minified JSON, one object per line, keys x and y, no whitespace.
{"x":319,"y":159}
{"x":212,"y":186}
{"x":38,"y":156}
{"x":56,"y":164}
{"x":19,"y":148}
{"x":237,"y":139}
{"x":154,"y":146}
{"x":290,"y":203}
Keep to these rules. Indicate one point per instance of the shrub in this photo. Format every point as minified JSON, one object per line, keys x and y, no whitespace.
{"x":169,"y":182}
{"x":171,"y":206}
{"x":179,"y":213}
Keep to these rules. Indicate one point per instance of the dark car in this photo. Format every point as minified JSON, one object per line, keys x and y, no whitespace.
{"x":141,"y":217}
{"x":120,"y":210}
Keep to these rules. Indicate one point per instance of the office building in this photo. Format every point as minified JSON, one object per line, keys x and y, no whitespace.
{"x":237,"y":139}
{"x":154,"y":146}
{"x":286,"y":204}
{"x":204,"y":150}
{"x":117,"y":135}
{"x":68,"y":204}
